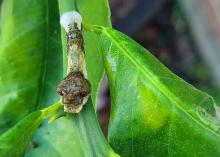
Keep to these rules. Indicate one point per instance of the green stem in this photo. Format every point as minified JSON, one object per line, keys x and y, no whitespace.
{"x":92,"y":139}
{"x":92,"y":28}
{"x":51,"y":109}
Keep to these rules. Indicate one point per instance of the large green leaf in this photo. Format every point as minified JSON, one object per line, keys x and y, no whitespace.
{"x":14,"y":141}
{"x":154,"y":112}
{"x":95,"y":12}
{"x":78,"y":135}
{"x":30,"y":58}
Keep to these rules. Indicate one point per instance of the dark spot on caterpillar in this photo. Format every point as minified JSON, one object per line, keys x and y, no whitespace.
{"x":74,"y":36}
{"x":74,"y":89}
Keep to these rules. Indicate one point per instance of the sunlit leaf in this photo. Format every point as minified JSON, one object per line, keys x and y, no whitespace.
{"x":154,"y":112}
{"x":30,"y":58}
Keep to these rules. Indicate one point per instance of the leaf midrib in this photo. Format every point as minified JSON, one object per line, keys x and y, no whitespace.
{"x":42,"y":82}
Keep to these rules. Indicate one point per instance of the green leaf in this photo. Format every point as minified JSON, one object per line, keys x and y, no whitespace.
{"x":78,"y":135}
{"x":95,"y":12}
{"x":75,"y":135}
{"x":14,"y":141}
{"x":30,"y":58}
{"x":154,"y":112}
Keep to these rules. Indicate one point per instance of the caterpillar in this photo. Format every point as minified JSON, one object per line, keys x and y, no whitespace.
{"x":75,"y":88}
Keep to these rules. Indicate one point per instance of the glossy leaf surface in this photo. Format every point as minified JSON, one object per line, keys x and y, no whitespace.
{"x":30,"y":58}
{"x":154,"y":112}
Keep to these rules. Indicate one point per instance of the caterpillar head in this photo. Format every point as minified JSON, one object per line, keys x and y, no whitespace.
{"x":75,"y":90}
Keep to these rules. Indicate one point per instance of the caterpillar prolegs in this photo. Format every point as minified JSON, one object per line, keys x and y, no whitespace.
{"x":74,"y":88}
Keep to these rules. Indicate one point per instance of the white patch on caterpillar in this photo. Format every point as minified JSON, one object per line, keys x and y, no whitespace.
{"x":69,"y":18}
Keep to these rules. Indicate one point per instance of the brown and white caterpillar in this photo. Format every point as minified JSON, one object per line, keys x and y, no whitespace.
{"x":74,"y":88}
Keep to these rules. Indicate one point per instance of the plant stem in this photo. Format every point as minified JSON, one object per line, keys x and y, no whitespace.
{"x":92,"y":28}
{"x":51,"y":109}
